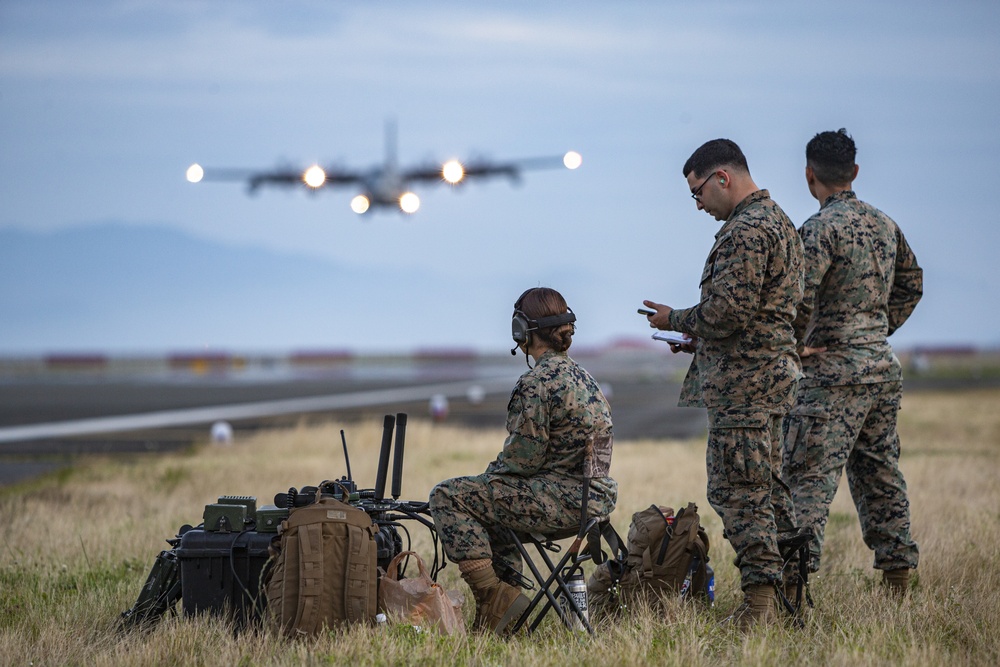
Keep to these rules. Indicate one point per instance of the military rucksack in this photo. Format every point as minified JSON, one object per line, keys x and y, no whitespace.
{"x":325,"y":573}
{"x":666,"y":555}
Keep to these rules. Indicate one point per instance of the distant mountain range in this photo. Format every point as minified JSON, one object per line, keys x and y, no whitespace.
{"x":140,"y":288}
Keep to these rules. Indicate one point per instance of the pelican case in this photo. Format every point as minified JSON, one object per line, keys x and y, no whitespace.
{"x":221,"y":573}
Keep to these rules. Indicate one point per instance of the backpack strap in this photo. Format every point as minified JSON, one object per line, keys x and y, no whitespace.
{"x":604,"y":530}
{"x":355,"y":577}
{"x":308,"y":614}
{"x":666,"y":538}
{"x":614,"y":540}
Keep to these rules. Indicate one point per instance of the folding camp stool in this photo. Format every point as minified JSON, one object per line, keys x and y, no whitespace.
{"x":554,"y":581}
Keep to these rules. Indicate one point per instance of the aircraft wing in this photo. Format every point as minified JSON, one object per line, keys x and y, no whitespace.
{"x":456,"y":171}
{"x":313,"y":177}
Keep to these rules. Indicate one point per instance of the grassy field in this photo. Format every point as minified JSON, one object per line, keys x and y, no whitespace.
{"x":79,"y":546}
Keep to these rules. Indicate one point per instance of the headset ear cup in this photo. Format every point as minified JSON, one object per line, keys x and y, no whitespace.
{"x":519,"y":329}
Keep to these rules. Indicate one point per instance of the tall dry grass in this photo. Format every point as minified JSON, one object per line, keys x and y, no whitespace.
{"x":78,"y":546}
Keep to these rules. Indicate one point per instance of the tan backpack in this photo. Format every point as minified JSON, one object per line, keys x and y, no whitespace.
{"x":325,"y":573}
{"x":666,"y":554}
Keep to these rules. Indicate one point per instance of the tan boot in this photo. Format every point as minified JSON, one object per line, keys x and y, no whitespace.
{"x":897,"y":581}
{"x":498,"y":604}
{"x":759,"y":607}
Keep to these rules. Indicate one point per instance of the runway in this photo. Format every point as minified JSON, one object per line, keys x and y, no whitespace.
{"x":45,"y":423}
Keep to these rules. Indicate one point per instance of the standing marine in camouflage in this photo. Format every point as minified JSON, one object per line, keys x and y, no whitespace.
{"x":558,"y":422}
{"x":745,"y":367}
{"x":862,"y":283}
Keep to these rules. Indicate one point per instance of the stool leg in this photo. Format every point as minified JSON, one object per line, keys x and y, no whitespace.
{"x":556,"y":577}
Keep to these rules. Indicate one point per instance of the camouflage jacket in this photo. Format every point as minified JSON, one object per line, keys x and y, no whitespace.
{"x":555,"y":417}
{"x":862,"y":283}
{"x":745,"y":359}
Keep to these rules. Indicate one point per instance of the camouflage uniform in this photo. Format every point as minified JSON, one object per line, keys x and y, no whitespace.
{"x":556,"y":415}
{"x":862,"y":283}
{"x":744,"y":372}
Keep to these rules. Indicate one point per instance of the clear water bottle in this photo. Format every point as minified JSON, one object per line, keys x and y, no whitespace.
{"x":710,"y":584}
{"x":577,"y":585}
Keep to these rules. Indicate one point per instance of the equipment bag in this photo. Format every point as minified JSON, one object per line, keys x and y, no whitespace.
{"x":325,"y":572}
{"x":666,"y":554}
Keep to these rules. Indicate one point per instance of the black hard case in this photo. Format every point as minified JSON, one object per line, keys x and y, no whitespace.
{"x":223,"y":572}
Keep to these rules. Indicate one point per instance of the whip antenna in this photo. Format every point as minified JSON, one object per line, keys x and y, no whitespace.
{"x":347,"y":459}
{"x":397,"y":455}
{"x":383,"y":458}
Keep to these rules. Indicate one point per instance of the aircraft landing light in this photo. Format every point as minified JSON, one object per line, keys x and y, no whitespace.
{"x":453,"y":171}
{"x":314,"y":176}
{"x":409,"y":202}
{"x":195,"y":173}
{"x":572,"y":160}
{"x":360,"y":204}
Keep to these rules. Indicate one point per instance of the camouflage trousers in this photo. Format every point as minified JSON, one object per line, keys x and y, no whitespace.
{"x":852,"y":426}
{"x":744,"y":487}
{"x":472,"y":514}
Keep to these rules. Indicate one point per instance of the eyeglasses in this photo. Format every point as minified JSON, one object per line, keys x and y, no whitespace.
{"x":696,"y":194}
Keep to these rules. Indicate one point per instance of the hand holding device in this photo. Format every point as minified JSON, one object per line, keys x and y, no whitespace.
{"x":672,"y":337}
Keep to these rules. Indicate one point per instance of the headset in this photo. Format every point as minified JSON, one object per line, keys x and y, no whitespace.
{"x":521,"y":325}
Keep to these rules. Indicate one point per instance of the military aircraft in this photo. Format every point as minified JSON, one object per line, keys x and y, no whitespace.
{"x":386,"y":185}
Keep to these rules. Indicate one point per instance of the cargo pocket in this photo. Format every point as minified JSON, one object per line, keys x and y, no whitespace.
{"x":516,"y":506}
{"x":737,"y":449}
{"x":805,"y":435}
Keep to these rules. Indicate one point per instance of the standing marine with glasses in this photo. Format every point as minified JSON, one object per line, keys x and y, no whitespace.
{"x":745,"y":367}
{"x":862,"y":283}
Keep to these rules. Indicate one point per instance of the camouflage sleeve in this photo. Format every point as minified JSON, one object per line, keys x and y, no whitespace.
{"x":732,"y":296}
{"x":907,"y":285}
{"x":817,"y":250}
{"x":527,"y":426}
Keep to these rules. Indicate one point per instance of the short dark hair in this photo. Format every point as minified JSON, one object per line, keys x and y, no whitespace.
{"x":714,"y":154}
{"x":542,"y":302}
{"x":831,"y":156}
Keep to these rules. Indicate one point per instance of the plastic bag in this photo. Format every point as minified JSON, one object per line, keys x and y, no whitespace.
{"x":420,"y":601}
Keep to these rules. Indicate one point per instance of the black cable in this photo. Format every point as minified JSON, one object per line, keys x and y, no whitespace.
{"x":232,"y":566}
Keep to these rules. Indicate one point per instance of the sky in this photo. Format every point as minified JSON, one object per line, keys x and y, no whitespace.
{"x":104,"y":104}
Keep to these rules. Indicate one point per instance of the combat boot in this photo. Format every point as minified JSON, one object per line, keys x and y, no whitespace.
{"x":896,"y":581}
{"x":498,"y":604}
{"x":759,"y":607}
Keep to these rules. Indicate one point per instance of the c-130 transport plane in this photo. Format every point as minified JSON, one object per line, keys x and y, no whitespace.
{"x":386,"y":185}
